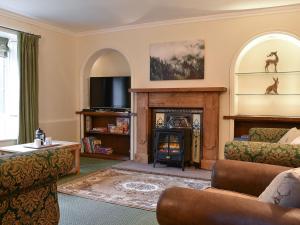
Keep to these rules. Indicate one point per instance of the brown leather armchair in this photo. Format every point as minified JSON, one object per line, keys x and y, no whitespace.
{"x":231,"y":201}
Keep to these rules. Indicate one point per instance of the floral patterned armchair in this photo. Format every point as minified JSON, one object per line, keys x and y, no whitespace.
{"x":28,"y":188}
{"x":262,"y":147}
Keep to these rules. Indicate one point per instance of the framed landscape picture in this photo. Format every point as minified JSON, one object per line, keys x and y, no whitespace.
{"x":182,"y":60}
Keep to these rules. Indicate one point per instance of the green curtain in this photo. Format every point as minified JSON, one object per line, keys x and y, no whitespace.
{"x":28,"y":60}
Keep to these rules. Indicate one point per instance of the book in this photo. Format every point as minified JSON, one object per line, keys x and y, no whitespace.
{"x":86,"y":145}
{"x":123,"y":124}
{"x":91,"y":143}
{"x":103,"y":150}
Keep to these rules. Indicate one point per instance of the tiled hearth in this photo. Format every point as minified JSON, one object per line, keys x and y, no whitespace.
{"x":205,"y":99}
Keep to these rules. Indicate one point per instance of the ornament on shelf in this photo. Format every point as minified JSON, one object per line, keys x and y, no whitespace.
{"x":273,"y":87}
{"x":273,"y":61}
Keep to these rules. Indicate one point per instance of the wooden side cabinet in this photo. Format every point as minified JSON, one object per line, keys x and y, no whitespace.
{"x":243,"y":123}
{"x":103,"y":126}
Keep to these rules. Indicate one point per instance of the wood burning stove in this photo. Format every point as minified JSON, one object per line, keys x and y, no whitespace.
{"x":177,"y":136}
{"x":172,"y":146}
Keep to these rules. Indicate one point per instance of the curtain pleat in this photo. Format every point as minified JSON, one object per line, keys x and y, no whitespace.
{"x":28,"y":117}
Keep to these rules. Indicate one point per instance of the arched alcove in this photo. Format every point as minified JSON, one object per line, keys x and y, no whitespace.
{"x":104,"y":62}
{"x":110,"y":63}
{"x":250,"y":80}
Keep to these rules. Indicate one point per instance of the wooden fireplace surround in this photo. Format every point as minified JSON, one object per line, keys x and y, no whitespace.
{"x":205,"y":98}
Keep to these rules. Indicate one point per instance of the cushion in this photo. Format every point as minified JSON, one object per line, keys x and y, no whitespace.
{"x":289,"y":136}
{"x":296,"y":141}
{"x":284,"y":189}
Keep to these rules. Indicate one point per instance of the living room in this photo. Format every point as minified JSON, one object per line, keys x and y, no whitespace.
{"x":74,"y":37}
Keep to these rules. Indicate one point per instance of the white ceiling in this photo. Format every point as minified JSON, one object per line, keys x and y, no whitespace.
{"x":87,"y":15}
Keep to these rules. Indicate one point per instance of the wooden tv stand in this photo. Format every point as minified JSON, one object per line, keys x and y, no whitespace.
{"x":119,"y":142}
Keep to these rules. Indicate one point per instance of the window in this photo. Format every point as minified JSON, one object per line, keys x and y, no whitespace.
{"x":9,"y":88}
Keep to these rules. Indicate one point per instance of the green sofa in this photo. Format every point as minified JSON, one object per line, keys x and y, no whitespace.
{"x":28,"y":186}
{"x":262,"y":147}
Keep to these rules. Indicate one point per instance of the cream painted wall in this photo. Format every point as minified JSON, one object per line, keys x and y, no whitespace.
{"x":110,"y":63}
{"x":57,"y":78}
{"x":223,"y":41}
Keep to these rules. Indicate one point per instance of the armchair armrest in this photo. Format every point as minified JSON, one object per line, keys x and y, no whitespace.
{"x":244,"y":177}
{"x":21,"y":171}
{"x":267,"y":134}
{"x":181,"y":206}
{"x":263,"y":152}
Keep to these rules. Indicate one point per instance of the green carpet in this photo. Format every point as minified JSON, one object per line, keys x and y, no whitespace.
{"x":89,"y":165}
{"x":80,"y":211}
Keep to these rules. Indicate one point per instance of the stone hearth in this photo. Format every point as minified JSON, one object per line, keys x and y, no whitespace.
{"x":206,"y":99}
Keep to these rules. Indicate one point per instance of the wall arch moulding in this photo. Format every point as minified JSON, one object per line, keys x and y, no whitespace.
{"x":87,"y":66}
{"x":85,"y":73}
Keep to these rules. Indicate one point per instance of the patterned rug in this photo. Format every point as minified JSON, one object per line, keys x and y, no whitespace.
{"x":132,"y":189}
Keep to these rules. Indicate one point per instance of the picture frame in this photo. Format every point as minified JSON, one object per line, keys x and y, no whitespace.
{"x":182,"y":60}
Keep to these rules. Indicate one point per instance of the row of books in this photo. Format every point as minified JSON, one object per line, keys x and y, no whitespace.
{"x":121,"y":126}
{"x":103,"y":150}
{"x":93,"y":145}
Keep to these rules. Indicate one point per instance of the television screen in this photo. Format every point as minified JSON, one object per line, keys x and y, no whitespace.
{"x":109,"y":92}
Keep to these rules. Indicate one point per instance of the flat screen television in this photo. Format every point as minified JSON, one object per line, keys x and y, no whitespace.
{"x":109,"y":92}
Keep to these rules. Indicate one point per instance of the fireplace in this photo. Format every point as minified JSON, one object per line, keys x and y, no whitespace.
{"x":205,"y":99}
{"x":172,"y":146}
{"x":177,"y":136}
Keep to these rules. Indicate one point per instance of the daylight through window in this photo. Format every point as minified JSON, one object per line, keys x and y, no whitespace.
{"x":9,"y":86}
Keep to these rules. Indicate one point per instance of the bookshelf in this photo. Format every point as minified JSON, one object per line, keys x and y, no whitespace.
{"x":103,"y":126}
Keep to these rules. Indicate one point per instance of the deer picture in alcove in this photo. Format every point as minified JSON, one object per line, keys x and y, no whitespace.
{"x":270,"y":61}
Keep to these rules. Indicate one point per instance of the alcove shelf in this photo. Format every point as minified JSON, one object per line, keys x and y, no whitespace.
{"x":91,"y":132}
{"x":251,"y":98}
{"x":268,"y":95}
{"x":242,"y":123}
{"x":119,"y":142}
{"x":281,"y":73}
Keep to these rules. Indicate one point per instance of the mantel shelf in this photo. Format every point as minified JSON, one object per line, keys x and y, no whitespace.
{"x":174,"y":90}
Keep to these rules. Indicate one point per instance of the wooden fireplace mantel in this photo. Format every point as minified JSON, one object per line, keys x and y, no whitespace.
{"x":205,"y":98}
